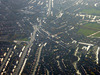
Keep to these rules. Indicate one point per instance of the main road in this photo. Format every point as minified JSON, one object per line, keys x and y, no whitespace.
{"x":17,"y":71}
{"x":38,"y":59}
{"x":49,"y":7}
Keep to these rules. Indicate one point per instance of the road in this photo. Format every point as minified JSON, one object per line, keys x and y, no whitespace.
{"x":23,"y":66}
{"x":75,"y":63}
{"x":97,"y":55}
{"x":49,"y":8}
{"x":19,"y":42}
{"x":25,"y":52}
{"x":49,"y":37}
{"x":75,"y":3}
{"x":38,"y":59}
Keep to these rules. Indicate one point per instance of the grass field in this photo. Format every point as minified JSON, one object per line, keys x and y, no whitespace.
{"x":24,"y":39}
{"x":85,"y":32}
{"x":93,"y":26}
{"x":89,"y":29}
{"x":91,"y":11}
{"x":97,"y":35}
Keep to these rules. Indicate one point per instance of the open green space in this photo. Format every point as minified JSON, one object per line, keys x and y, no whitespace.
{"x":97,"y":35}
{"x":24,"y":39}
{"x":91,"y":11}
{"x":93,"y":26}
{"x":20,"y":37}
{"x":86,"y":32}
{"x":89,"y":29}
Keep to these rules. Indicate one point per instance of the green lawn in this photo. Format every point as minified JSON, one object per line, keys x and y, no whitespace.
{"x":24,"y":39}
{"x":89,"y":29}
{"x":97,"y":35}
{"x":91,"y":11}
{"x":93,"y":26}
{"x":85,"y":32}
